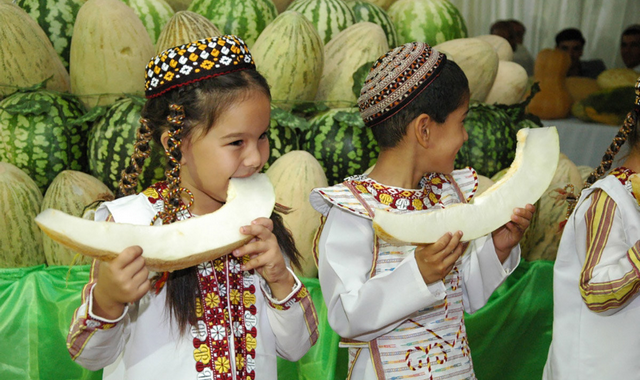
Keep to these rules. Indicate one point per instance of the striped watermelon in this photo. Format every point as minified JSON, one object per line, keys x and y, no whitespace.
{"x":40,"y":132}
{"x":289,"y":53}
{"x":184,"y":27}
{"x":367,"y":11}
{"x":27,"y":57}
{"x":20,"y":237}
{"x":284,"y":131}
{"x":154,"y":14}
{"x":360,"y":44}
{"x":111,"y":144}
{"x":329,"y":17}
{"x":56,"y":18}
{"x":430,"y":21}
{"x":71,"y":191}
{"x":340,"y":142}
{"x":244,"y":18}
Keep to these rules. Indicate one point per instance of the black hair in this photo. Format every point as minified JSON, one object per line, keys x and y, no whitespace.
{"x":632,"y":30}
{"x":569,"y":34}
{"x":443,"y":96}
{"x":191,"y":111}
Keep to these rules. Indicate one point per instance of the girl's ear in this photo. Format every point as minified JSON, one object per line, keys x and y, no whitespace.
{"x":164,"y":139}
{"x":422,"y":126}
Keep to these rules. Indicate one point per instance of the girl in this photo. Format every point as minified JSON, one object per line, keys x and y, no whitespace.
{"x":597,"y":273}
{"x":224,"y":319}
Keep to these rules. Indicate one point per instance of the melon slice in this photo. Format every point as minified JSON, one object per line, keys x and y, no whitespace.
{"x":526,"y":180}
{"x":174,"y":246}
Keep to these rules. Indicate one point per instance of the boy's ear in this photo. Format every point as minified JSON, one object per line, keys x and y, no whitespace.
{"x":422,"y":128}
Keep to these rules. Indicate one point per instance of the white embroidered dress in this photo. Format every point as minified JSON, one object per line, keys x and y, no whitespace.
{"x":144,"y":344}
{"x":395,"y":325}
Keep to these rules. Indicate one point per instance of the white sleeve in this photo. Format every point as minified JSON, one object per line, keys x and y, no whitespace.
{"x":482,"y":271}
{"x":360,"y":307}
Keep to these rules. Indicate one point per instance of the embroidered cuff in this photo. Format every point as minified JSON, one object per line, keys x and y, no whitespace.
{"x":298,"y":292}
{"x":95,"y":322}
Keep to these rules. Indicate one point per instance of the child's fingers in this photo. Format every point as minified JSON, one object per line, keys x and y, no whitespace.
{"x":126,"y":257}
{"x":258,"y":230}
{"x":255,"y":247}
{"x":452,"y":244}
{"x":266,"y":222}
{"x":442,"y":243}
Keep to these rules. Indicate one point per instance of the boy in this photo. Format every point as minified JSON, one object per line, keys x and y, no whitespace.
{"x":400,"y":309}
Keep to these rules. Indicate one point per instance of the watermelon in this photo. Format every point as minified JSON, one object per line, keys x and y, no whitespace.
{"x":154,"y":14}
{"x":185,"y":27}
{"x":27,"y":58}
{"x":360,"y":44}
{"x":71,"y":191}
{"x":42,"y":133}
{"x":111,"y":143}
{"x":367,"y":11}
{"x":289,"y":54}
{"x":244,"y":18}
{"x":329,"y":17}
{"x":430,"y":21}
{"x":56,"y":18}
{"x":20,"y":237}
{"x":284,"y":131}
{"x":339,"y":140}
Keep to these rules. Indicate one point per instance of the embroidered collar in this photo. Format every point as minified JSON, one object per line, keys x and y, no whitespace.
{"x":622,"y":174}
{"x":400,"y":198}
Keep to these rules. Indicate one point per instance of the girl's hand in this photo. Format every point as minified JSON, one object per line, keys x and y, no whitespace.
{"x":508,"y":236}
{"x":265,"y":257}
{"x":436,"y":260}
{"x":123,"y":280}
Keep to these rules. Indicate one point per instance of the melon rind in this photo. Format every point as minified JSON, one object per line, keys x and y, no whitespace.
{"x":174,"y":246}
{"x":530,"y":174}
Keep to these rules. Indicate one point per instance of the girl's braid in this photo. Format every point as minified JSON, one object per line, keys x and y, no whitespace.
{"x":173,"y":203}
{"x":129,"y":178}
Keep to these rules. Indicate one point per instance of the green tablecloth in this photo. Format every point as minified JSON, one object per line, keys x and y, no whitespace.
{"x":509,"y":337}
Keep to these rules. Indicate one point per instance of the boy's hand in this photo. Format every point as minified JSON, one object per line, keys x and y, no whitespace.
{"x":436,"y":260}
{"x":266,"y":257}
{"x":123,"y":280}
{"x":508,"y":236}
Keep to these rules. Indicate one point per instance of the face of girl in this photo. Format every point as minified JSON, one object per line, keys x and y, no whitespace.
{"x":236,"y":146}
{"x":447,"y":139}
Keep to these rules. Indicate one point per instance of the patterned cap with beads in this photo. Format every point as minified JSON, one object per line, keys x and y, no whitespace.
{"x":396,"y":79}
{"x":638,"y":93}
{"x":195,"y":61}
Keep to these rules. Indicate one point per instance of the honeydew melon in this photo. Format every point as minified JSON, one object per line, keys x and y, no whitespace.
{"x":526,"y":180}
{"x":174,"y":246}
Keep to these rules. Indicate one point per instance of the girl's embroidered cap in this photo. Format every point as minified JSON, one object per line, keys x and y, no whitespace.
{"x":396,"y":79}
{"x":195,"y":61}
{"x":638,"y":93}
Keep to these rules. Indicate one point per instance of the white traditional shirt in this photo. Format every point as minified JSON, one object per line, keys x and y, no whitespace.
{"x":596,"y":279}
{"x":395,"y":325}
{"x":143,"y":343}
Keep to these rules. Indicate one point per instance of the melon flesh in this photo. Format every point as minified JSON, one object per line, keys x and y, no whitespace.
{"x":526,"y":180}
{"x":174,"y":246}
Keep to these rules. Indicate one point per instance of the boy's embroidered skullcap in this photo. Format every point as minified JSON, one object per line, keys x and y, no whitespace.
{"x":195,"y":61}
{"x":396,"y":79}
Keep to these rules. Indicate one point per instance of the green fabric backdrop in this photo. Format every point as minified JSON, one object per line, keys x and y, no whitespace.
{"x":509,"y":337}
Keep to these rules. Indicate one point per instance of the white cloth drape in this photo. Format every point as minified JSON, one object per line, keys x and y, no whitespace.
{"x":601,"y":22}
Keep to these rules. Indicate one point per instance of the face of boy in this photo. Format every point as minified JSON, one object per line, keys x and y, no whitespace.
{"x":236,"y":146}
{"x":630,"y":50}
{"x":447,"y":139}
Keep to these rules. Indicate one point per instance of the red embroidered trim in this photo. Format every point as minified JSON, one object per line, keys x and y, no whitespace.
{"x":622,"y":174}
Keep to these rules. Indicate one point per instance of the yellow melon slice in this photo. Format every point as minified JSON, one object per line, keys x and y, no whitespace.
{"x":526,"y":180}
{"x":174,"y":246}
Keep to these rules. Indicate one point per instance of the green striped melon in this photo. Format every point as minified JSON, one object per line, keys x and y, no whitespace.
{"x":41,"y":133}
{"x":71,"y":191}
{"x":185,"y":27}
{"x":284,"y":131}
{"x":109,"y":51}
{"x":154,"y":14}
{"x":56,"y":18}
{"x":477,"y":59}
{"x":289,"y":53}
{"x":367,"y":11}
{"x":27,"y":58}
{"x":293,"y":176}
{"x":111,"y":143}
{"x":20,"y":201}
{"x":360,"y":44}
{"x":329,"y":17}
{"x":541,"y":240}
{"x":430,"y":21}
{"x":339,"y":141}
{"x":244,"y":18}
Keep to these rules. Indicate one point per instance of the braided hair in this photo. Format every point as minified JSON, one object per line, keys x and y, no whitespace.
{"x":184,"y":112}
